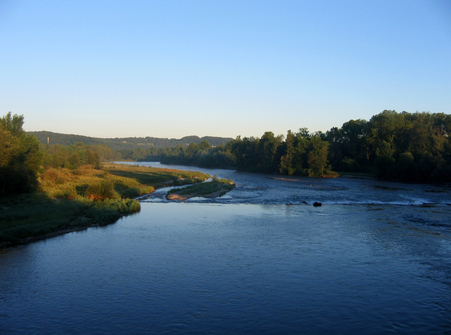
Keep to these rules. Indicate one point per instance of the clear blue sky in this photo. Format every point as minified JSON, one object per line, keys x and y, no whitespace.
{"x":220,"y":68}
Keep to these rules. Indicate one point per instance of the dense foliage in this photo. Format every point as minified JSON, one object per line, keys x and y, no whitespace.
{"x":74,"y":156}
{"x":395,"y":146}
{"x":301,"y":154}
{"x":202,"y":154}
{"x":20,"y":157}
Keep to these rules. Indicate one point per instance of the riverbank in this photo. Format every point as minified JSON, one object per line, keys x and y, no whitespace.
{"x":71,"y":200}
{"x":213,"y":189}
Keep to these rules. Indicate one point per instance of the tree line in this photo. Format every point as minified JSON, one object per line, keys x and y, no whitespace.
{"x":394,"y":146}
{"x":126,"y":143}
{"x":74,"y":156}
{"x":404,"y":146}
{"x":299,"y":154}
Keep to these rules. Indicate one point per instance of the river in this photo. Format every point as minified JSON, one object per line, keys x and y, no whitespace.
{"x":374,"y":258}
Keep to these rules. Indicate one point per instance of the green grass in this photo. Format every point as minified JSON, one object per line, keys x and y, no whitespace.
{"x":71,"y":200}
{"x":216,"y":185}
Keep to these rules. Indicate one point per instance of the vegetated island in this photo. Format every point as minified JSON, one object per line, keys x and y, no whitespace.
{"x":212,"y":189}
{"x":71,"y":200}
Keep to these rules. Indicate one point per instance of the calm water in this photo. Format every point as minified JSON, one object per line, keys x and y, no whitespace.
{"x":375,"y":258}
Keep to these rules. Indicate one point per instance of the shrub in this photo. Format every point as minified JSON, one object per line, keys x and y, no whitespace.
{"x":102,"y":190}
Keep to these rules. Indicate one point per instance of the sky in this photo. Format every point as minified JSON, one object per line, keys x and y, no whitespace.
{"x":220,"y":68}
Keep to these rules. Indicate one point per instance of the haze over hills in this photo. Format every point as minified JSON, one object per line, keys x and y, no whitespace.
{"x":124,"y":143}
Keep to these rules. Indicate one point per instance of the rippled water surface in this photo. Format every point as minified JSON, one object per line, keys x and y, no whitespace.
{"x":375,"y":258}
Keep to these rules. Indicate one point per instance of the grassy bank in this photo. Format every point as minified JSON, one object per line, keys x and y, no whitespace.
{"x":215,"y":188}
{"x":70,"y":200}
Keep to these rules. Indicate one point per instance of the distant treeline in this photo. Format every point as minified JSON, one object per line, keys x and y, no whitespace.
{"x":394,"y":146}
{"x":299,"y":154}
{"x":126,"y":143}
{"x":74,"y":156}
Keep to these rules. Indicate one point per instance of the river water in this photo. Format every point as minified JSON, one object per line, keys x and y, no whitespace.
{"x":375,"y":258}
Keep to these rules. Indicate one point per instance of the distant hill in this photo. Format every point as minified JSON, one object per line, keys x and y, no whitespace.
{"x":125,"y":143}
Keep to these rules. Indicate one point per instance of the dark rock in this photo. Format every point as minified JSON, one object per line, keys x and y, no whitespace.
{"x":317,"y":204}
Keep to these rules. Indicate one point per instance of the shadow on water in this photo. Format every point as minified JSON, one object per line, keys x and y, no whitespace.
{"x":30,"y":217}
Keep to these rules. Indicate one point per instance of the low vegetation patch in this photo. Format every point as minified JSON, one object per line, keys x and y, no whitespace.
{"x":215,"y":188}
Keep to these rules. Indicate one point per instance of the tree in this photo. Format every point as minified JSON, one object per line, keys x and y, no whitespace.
{"x":317,"y":157}
{"x":93,"y":158}
{"x":204,"y":145}
{"x":20,"y":157}
{"x":8,"y":147}
{"x":13,"y":124}
{"x":267,"y":152}
{"x":348,"y":146}
{"x":404,"y":166}
{"x":286,"y":161}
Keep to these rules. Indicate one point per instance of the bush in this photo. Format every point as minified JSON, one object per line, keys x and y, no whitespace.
{"x":102,"y":190}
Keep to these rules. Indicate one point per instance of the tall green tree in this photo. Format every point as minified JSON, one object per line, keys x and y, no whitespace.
{"x":13,"y":124}
{"x":286,"y":161}
{"x":269,"y":158}
{"x":20,"y":157}
{"x":317,"y":157}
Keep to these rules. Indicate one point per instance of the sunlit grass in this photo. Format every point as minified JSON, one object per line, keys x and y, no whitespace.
{"x":154,"y":176}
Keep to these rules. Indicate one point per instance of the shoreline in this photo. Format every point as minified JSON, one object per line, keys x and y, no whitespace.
{"x":32,"y":239}
{"x":213,"y":189}
{"x":61,"y":208}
